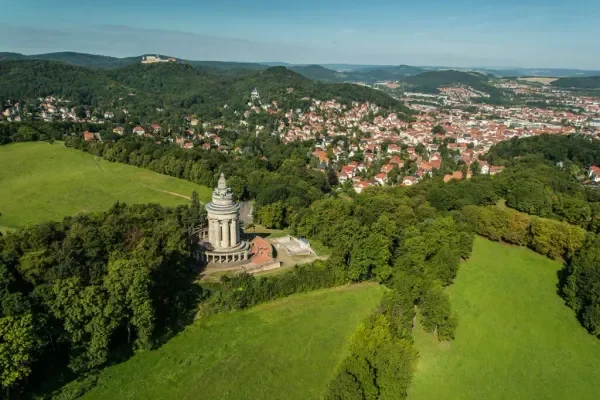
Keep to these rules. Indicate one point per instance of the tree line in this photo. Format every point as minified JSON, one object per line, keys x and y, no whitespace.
{"x":529,"y":184}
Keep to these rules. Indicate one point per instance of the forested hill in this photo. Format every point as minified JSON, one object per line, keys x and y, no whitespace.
{"x":318,"y":72}
{"x":581,"y":150}
{"x":106,"y":62}
{"x":79,"y":59}
{"x":178,"y":88}
{"x":368,"y":75}
{"x":430,"y":81}
{"x":20,"y":80}
{"x":588,"y":82}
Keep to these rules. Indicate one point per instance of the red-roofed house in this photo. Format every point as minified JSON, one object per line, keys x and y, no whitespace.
{"x":322,"y":156}
{"x":454,"y":175}
{"x":409,"y":180}
{"x":387,"y":168}
{"x":594,"y":173}
{"x":485,"y":167}
{"x":396,"y":160}
{"x":360,"y":186}
{"x":155,"y":128}
{"x":437,"y":164}
{"x":393,"y":149}
{"x":88,"y":136}
{"x":343,"y":177}
{"x":381,"y":178}
{"x":139,"y":130}
{"x":496,"y":169}
{"x":348,"y":170}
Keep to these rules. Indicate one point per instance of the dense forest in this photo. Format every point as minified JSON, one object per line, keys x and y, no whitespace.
{"x":72,"y":292}
{"x":584,"y":82}
{"x":578,"y":149}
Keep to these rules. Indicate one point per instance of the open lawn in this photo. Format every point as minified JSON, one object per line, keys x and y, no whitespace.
{"x":41,"y":182}
{"x":515,"y":339}
{"x":539,"y":79}
{"x":286,"y":349}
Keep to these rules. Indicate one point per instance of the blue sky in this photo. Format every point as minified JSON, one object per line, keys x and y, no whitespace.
{"x":452,"y":33}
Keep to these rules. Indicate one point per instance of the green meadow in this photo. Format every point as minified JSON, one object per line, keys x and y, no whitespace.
{"x":285,"y":349}
{"x":41,"y":182}
{"x":516,"y":339}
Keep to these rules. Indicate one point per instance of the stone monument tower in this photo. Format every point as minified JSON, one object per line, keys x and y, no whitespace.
{"x":224,"y":233}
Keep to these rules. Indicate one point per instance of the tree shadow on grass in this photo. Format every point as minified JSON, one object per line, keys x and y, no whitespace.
{"x":562,"y":275}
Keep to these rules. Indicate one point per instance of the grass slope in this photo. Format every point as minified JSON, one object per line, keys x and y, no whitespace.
{"x":515,"y":339}
{"x":286,"y":349}
{"x":41,"y":182}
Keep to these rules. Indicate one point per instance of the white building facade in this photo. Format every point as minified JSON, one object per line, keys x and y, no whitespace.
{"x":224,"y":233}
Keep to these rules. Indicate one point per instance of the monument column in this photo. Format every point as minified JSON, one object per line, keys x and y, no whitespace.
{"x":225,"y":232}
{"x":211,"y":231}
{"x":233,"y":233}
{"x":224,"y":227}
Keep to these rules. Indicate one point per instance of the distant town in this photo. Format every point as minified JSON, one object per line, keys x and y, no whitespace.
{"x":363,"y":143}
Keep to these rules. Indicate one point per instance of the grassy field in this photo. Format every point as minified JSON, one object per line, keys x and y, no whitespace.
{"x":41,"y":182}
{"x":286,"y":349}
{"x":515,"y":340}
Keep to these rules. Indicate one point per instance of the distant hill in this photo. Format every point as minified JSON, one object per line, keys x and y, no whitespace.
{"x":25,"y":79}
{"x":402,"y":70}
{"x":79,"y":59}
{"x":226,"y":65}
{"x":346,"y":72}
{"x":106,"y":62}
{"x":590,"y":82}
{"x":367,"y":75}
{"x":544,"y":72}
{"x":319,"y":73}
{"x":431,"y":81}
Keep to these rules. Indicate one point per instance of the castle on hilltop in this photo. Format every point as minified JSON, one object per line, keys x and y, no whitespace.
{"x":156,"y":59}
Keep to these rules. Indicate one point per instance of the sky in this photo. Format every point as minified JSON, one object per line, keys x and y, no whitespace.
{"x":465,"y":33}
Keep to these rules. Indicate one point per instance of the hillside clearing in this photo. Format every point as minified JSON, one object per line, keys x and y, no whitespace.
{"x":41,"y":182}
{"x":539,"y":79}
{"x":286,"y":349}
{"x":515,"y":338}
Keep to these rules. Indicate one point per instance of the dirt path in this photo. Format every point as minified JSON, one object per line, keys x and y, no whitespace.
{"x":166,"y":191}
{"x":96,"y":159}
{"x":98,"y":164}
